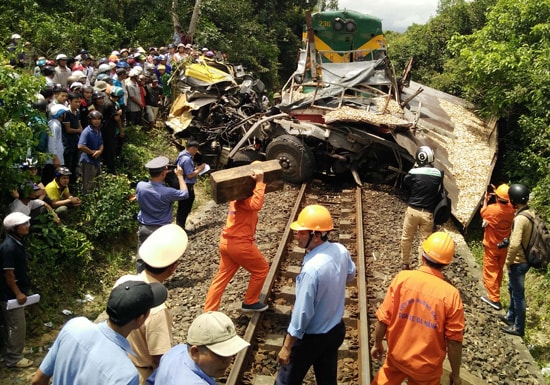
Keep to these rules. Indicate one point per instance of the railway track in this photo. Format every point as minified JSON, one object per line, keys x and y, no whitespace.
{"x":267,"y":330}
{"x":365,"y":222}
{"x":487,"y":353}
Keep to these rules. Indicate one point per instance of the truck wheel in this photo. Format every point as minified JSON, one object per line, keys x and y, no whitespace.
{"x":242,"y":158}
{"x":295,"y":158}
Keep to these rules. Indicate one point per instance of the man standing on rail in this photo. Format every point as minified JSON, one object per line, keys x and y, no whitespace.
{"x":497,"y":214}
{"x":316,"y":328}
{"x":237,"y":248}
{"x":422,"y":317}
{"x":425,"y":182}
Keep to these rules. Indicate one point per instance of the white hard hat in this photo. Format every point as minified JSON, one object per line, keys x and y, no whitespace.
{"x":16,"y":36}
{"x":61,"y":56}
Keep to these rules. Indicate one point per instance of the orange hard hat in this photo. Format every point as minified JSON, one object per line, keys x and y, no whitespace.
{"x":502,"y":192}
{"x":439,"y":247}
{"x":313,"y":217}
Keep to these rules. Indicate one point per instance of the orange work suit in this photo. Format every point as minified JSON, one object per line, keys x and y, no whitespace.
{"x":497,"y":221}
{"x":238,"y":248}
{"x":421,"y":312}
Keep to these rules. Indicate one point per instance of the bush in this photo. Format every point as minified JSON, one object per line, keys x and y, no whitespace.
{"x":108,"y":212}
{"x":59,"y":260}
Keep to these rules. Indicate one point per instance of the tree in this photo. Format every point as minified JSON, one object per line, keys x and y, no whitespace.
{"x":504,"y":70}
{"x":18,"y":136}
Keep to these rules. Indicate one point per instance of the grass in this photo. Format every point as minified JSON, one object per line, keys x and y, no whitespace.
{"x":537,"y":285}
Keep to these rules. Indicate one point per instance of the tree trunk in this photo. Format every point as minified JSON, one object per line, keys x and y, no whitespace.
{"x":194,"y":18}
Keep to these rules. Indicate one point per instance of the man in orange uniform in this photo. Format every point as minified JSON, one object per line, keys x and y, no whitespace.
{"x":497,"y":222}
{"x":422,"y":317}
{"x":237,"y":248}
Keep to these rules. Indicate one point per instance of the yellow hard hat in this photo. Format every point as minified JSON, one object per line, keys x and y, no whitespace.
{"x":313,"y":217}
{"x":439,"y":247}
{"x":502,"y":192}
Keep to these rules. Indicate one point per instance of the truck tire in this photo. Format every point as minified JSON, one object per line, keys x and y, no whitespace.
{"x":245,"y":157}
{"x":296,"y":159}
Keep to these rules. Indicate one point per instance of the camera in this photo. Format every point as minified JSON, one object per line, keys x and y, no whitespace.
{"x":505,"y":242}
{"x":171,"y":167}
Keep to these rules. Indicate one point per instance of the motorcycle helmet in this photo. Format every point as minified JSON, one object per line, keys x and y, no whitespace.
{"x":424,"y":155}
{"x":62,"y":171}
{"x":95,"y":114}
{"x":518,"y":193}
{"x":57,"y":110}
{"x":103,"y":68}
{"x":117,"y":92}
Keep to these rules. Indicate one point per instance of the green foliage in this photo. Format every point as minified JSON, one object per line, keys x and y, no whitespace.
{"x":60,"y":257}
{"x":504,"y":70}
{"x":263,"y":37}
{"x":17,"y":136}
{"x":108,"y":212}
{"x":428,"y":43}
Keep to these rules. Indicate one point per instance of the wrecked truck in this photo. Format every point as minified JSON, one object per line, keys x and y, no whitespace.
{"x":344,"y":111}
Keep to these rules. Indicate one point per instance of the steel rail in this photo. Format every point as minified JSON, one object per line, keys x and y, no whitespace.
{"x":363,"y":324}
{"x":241,"y":360}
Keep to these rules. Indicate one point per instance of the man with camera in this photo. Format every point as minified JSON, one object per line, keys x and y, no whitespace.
{"x":497,"y":214}
{"x":155,"y":199}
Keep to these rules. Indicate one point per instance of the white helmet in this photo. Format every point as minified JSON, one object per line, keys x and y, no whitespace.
{"x":103,"y":68}
{"x":16,"y":36}
{"x":424,"y":155}
{"x":61,"y":56}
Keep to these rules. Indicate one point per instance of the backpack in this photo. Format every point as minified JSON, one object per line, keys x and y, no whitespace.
{"x":537,"y":251}
{"x":442,"y":210}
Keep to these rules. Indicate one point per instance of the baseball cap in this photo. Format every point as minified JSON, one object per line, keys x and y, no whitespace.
{"x":15,"y":219}
{"x":164,"y":246}
{"x":131,"y":299}
{"x":216,"y":331}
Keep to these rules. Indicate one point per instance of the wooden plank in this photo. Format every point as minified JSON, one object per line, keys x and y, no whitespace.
{"x":236,"y":183}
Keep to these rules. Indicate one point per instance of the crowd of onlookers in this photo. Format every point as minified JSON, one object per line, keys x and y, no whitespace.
{"x":86,"y":103}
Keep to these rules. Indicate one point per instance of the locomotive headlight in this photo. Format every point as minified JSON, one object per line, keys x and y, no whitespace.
{"x":350,"y":25}
{"x":338,"y":24}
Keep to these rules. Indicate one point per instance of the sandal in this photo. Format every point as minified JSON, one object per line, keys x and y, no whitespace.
{"x":22,"y":363}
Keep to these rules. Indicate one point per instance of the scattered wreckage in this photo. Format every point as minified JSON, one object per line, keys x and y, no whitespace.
{"x":343,"y":110}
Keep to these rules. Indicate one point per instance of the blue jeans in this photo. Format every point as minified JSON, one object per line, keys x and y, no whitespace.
{"x":516,"y":288}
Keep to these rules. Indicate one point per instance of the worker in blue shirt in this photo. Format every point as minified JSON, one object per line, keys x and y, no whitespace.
{"x":316,"y":328}
{"x":186,"y":161}
{"x":156,"y":200}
